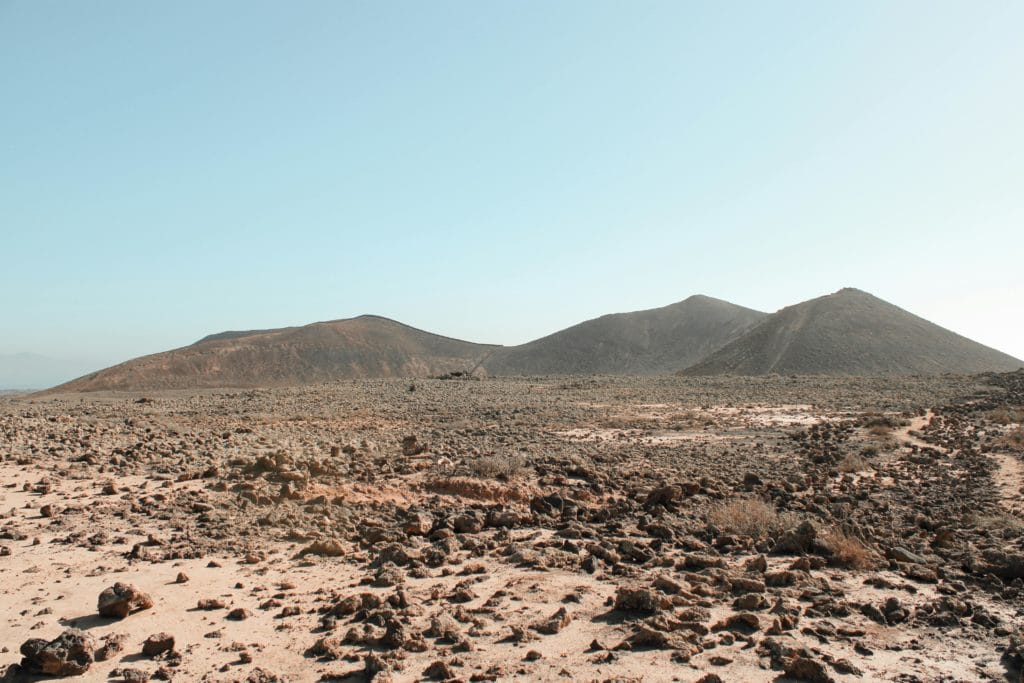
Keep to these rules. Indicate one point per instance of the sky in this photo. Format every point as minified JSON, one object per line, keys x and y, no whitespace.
{"x":498,"y":171}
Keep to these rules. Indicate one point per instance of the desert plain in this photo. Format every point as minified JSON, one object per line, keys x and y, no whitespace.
{"x":540,"y":529}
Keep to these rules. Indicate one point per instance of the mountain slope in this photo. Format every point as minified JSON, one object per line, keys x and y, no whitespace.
{"x":655,"y":341}
{"x":850,"y":333}
{"x":367,"y":346}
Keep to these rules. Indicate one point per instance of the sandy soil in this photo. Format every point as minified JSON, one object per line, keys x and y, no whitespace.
{"x":443,"y":558}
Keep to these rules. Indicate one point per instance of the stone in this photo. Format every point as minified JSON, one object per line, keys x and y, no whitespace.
{"x":796,"y":541}
{"x":121,"y":599}
{"x":418,"y":524}
{"x":806,"y":669}
{"x":112,"y":644}
{"x":157,"y":644}
{"x":555,"y":623}
{"x":325,"y":548}
{"x":635,"y":599}
{"x":69,"y":654}
{"x":901,"y":554}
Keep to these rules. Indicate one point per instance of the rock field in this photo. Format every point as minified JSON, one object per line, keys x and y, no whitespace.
{"x":570,"y":528}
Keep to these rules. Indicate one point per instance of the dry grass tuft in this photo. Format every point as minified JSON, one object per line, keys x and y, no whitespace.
{"x":880,"y":431}
{"x":685,"y":421}
{"x":750,"y":517}
{"x":1006,"y":415}
{"x":848,"y":552}
{"x":497,"y":466}
{"x":1014,"y":439}
{"x":890,"y":422}
{"x":853,"y":463}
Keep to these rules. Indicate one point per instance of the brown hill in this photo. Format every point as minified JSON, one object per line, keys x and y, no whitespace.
{"x":367,"y":346}
{"x":850,"y":333}
{"x":655,"y":341}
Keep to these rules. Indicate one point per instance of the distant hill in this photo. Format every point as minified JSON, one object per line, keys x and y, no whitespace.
{"x":656,"y":341}
{"x":846,"y":333}
{"x":850,"y":333}
{"x":367,"y":346}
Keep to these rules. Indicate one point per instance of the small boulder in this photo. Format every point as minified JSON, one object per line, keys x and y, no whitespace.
{"x":121,"y":599}
{"x":69,"y":654}
{"x":796,"y":541}
{"x":157,"y":644}
{"x":629,"y":599}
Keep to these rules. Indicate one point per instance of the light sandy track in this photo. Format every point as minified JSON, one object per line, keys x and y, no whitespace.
{"x":916,"y":425}
{"x":1010,"y":480}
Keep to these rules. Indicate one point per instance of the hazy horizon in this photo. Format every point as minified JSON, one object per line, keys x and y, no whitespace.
{"x":499,"y":172}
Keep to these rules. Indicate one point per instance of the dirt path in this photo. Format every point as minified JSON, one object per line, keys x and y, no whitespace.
{"x":1010,"y":480}
{"x":905,"y":436}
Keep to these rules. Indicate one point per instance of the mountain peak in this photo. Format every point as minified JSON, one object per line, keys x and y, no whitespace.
{"x":654,"y":341}
{"x":863,"y":335}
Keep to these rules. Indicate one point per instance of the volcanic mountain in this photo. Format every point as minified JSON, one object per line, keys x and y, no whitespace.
{"x":850,"y":332}
{"x":367,"y":346}
{"x":656,"y":341}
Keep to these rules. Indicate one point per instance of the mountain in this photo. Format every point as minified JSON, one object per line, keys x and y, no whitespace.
{"x":656,"y":341}
{"x":850,"y":332}
{"x":847,"y":333}
{"x":367,"y":346}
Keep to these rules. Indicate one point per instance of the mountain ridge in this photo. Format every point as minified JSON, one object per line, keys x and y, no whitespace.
{"x":848,"y":332}
{"x":646,"y":342}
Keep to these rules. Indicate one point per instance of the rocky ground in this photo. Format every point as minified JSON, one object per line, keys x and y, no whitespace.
{"x":621,"y":529}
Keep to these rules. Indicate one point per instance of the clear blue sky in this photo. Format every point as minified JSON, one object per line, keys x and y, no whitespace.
{"x":496,"y":171}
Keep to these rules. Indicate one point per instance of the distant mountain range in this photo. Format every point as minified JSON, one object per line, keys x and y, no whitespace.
{"x":849,"y":332}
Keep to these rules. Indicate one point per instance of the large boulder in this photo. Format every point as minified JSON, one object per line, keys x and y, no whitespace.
{"x":69,"y":654}
{"x":121,"y":599}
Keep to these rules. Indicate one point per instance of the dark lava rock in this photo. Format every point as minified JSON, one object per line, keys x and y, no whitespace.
{"x":122,"y":599}
{"x":69,"y":654}
{"x":157,"y":644}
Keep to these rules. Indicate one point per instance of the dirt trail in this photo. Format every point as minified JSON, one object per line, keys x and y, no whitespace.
{"x":905,"y":436}
{"x":1010,"y":480}
{"x":1009,"y":476}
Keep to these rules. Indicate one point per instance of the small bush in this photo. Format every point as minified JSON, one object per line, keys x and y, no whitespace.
{"x":847,"y":551}
{"x":682,"y":422}
{"x":853,"y":463}
{"x":750,"y":517}
{"x":497,"y":466}
{"x":880,"y":430}
{"x":1006,"y":415}
{"x":1014,"y":439}
{"x":889,"y":421}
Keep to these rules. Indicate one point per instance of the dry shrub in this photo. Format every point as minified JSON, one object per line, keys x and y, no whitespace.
{"x":750,"y":517}
{"x":871,"y":421}
{"x":847,"y":551}
{"x":853,"y":463}
{"x":681,"y":422}
{"x":1014,"y":439}
{"x":616,"y":423}
{"x":497,"y":466}
{"x":1006,"y":415}
{"x":880,"y":431}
